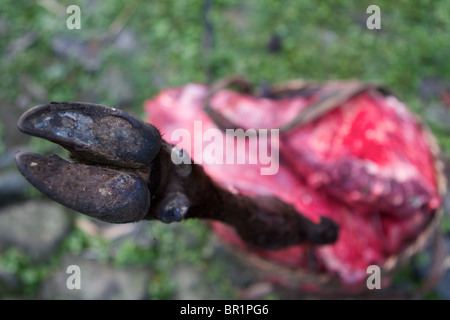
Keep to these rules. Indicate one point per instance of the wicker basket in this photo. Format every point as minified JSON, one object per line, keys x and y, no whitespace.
{"x":301,"y":282}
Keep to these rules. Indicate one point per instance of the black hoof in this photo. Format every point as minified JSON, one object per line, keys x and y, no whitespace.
{"x":101,"y":193}
{"x":94,"y":133}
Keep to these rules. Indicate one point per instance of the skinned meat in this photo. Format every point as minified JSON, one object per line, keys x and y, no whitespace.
{"x":366,"y":164}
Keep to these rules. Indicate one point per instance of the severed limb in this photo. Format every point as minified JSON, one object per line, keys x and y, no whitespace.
{"x":121,"y":171}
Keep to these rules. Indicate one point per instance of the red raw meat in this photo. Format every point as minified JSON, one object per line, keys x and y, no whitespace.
{"x":366,"y":164}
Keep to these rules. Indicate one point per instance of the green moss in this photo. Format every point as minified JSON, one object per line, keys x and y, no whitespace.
{"x":29,"y":273}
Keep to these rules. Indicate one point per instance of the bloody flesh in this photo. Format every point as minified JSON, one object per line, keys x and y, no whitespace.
{"x":366,"y":164}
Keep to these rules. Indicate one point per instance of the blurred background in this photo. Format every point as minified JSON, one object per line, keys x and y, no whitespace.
{"x":125,"y":53}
